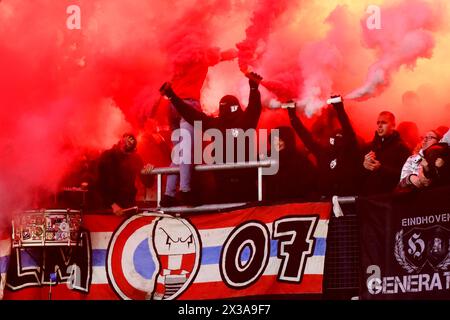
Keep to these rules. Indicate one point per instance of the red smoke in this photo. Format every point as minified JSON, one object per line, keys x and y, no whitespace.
{"x":63,"y":91}
{"x":406,"y":34}
{"x":254,"y":45}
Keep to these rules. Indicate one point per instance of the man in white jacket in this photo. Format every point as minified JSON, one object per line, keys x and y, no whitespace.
{"x":446,"y":138}
{"x":410,"y":172}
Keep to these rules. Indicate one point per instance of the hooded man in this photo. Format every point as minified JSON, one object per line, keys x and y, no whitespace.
{"x":231,"y":117}
{"x":295,"y":178}
{"x":190,"y":73}
{"x":338,"y":161}
{"x":117,"y":171}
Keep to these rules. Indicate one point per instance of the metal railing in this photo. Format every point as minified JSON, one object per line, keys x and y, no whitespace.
{"x":228,"y":166}
{"x":212,"y":167}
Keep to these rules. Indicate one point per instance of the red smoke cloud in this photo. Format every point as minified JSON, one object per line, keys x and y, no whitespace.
{"x":257,"y":34}
{"x":66,"y":91}
{"x":406,"y":34}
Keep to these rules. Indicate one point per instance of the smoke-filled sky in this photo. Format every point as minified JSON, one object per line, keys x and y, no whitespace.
{"x":64,"y":91}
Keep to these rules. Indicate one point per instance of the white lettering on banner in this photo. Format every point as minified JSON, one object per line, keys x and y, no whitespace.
{"x":407,"y":283}
{"x":407,"y":222}
{"x":447,"y":279}
{"x":416,"y":245}
{"x":413,"y":281}
{"x":388,"y":283}
{"x":435,"y":282}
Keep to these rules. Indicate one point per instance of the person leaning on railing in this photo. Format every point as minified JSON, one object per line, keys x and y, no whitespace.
{"x":118,"y":169}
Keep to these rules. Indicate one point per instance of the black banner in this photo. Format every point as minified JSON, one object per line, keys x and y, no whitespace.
{"x":405,"y":245}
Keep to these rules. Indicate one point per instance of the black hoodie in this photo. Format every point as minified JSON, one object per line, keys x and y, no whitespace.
{"x":231,"y":115}
{"x":239,"y":184}
{"x":338,"y":162}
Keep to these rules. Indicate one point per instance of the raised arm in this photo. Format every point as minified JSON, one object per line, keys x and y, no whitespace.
{"x":344,"y":120}
{"x":189,"y":113}
{"x":253,"y":111}
{"x":303,"y":133}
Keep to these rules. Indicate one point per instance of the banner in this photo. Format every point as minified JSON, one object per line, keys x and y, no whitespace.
{"x":5,"y":250}
{"x":405,"y":245}
{"x":256,"y":251}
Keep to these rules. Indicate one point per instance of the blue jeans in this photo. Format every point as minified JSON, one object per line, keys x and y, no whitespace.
{"x":185,"y":175}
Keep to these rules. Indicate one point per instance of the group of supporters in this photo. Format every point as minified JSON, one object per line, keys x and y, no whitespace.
{"x":340,"y":164}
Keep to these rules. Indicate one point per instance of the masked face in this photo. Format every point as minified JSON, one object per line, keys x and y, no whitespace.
{"x":336,"y":141}
{"x":229,"y":106}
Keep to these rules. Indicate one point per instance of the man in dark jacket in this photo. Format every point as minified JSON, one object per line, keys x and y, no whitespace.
{"x":384,"y":161}
{"x":234,"y":185}
{"x":338,"y":161}
{"x":117,"y":171}
{"x":295,"y":178}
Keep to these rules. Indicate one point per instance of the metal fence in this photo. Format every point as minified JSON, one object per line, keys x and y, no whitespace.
{"x":342,"y":273}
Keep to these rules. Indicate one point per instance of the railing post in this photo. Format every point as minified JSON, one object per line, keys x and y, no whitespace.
{"x":260,"y":183}
{"x":158,"y":190}
{"x":243,"y":165}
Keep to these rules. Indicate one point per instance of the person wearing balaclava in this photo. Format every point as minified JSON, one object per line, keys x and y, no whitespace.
{"x":190,"y":71}
{"x":234,"y":185}
{"x":338,"y":161}
{"x":295,"y":178}
{"x":117,"y":171}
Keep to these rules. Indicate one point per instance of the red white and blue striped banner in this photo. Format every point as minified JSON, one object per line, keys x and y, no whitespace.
{"x":256,"y":251}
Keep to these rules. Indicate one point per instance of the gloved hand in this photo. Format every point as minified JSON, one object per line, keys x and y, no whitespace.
{"x":166,"y":90}
{"x":337,"y":104}
{"x":254,"y":79}
{"x":147,"y":169}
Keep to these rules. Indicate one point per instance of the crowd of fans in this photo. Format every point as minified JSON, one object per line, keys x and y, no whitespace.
{"x":340,"y":164}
